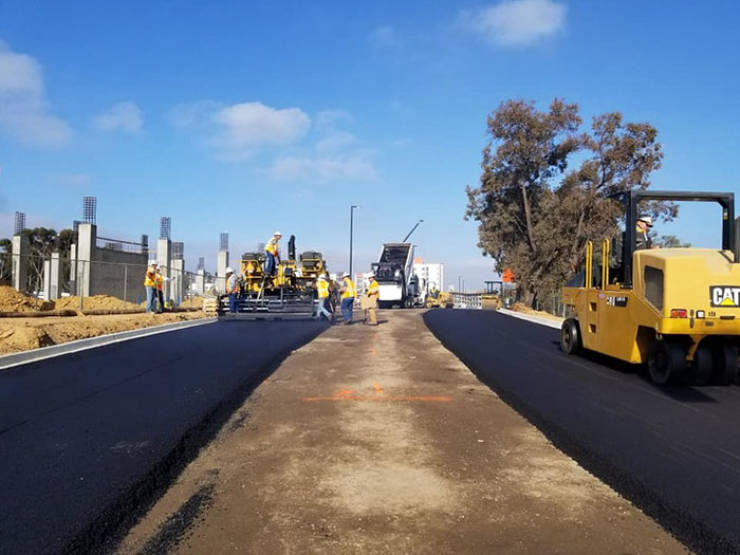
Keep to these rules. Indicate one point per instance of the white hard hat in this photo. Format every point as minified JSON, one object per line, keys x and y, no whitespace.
{"x":278,"y":233}
{"x":647,"y":219}
{"x":345,"y":274}
{"x":152,"y":262}
{"x":229,"y":270}
{"x":370,"y":275}
{"x":322,"y":278}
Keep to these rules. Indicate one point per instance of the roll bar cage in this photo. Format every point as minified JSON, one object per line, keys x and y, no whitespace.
{"x":631,"y":200}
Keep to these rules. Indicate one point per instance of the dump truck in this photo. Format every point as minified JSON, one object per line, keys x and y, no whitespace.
{"x":291,"y":293}
{"x":398,"y":285}
{"x":675,"y":309}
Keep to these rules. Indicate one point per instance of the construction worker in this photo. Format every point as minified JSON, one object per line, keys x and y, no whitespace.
{"x":160,"y":290}
{"x":348,"y":298}
{"x":150,"y":284}
{"x":323,"y":290}
{"x":373,"y":293}
{"x":232,"y":288}
{"x":644,"y":223}
{"x":272,"y":254}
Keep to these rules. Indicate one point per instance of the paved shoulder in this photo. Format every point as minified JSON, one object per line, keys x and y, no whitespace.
{"x":674,"y":451}
{"x":88,"y":437}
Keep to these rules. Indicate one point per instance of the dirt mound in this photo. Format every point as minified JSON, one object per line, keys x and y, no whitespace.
{"x":195,"y":302}
{"x":96,"y":302}
{"x":13,"y":301}
{"x":524,"y":309}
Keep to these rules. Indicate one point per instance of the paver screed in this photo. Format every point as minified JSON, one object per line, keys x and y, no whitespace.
{"x":379,"y":440}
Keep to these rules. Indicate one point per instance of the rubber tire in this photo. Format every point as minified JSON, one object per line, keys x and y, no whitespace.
{"x":666,"y":362}
{"x":725,"y":363}
{"x":570,"y":337}
{"x":702,"y":369}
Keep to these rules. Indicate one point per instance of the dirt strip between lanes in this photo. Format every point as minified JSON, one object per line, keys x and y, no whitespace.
{"x":376,"y":440}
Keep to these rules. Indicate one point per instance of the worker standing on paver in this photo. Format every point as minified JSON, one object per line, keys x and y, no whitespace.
{"x":150,"y":285}
{"x":644,"y":223}
{"x":348,"y":298}
{"x":323,"y":292}
{"x":272,"y":254}
{"x":232,"y":288}
{"x":373,"y":292}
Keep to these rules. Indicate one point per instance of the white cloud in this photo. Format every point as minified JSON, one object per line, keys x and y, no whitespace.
{"x":329,"y":119}
{"x":24,"y":112}
{"x":355,"y":166}
{"x":516,"y":22}
{"x":125,"y":116}
{"x":384,"y":37}
{"x":335,"y":142}
{"x":247,"y":126}
{"x":188,"y":114}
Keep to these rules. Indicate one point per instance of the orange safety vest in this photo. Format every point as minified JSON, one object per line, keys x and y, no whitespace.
{"x":150,"y":279}
{"x":373,"y":288}
{"x":272,"y":246}
{"x":160,"y":281}
{"x":349,"y":289}
{"x":323,"y":289}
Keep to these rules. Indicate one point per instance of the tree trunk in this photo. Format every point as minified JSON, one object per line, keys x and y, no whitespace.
{"x":527,"y":217}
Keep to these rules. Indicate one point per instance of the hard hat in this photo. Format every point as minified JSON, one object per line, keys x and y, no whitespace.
{"x":370,"y":275}
{"x":152,"y":262}
{"x":647,"y":219}
{"x":345,"y":274}
{"x":229,"y":270}
{"x":278,"y":233}
{"x":322,"y":278}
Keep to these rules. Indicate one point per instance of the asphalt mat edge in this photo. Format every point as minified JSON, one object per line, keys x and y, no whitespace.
{"x":695,"y":534}
{"x":112,"y":524}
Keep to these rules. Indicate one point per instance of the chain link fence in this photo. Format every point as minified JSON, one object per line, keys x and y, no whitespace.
{"x":97,"y":285}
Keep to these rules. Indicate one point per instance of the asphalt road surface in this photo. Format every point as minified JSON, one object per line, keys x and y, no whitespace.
{"x":89,"y":440}
{"x":675,"y":452}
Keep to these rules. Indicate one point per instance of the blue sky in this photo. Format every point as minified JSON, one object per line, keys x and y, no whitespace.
{"x":252,"y":117}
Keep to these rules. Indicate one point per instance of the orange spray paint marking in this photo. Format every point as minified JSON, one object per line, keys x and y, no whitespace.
{"x":421,"y":398}
{"x":378,"y":389}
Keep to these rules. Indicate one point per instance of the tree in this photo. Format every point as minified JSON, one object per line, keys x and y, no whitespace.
{"x":527,"y":148}
{"x":669,"y":242}
{"x":537,"y":227}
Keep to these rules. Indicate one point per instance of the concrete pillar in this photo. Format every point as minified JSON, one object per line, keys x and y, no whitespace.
{"x":222,"y":263}
{"x":46,"y":293}
{"x":164,"y":260}
{"x":87,"y":235}
{"x":178,"y":280}
{"x":55,"y":274}
{"x":200,"y":282}
{"x":19,"y":269}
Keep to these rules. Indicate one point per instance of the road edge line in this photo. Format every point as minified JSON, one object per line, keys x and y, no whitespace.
{"x":52,"y":351}
{"x":529,"y":318}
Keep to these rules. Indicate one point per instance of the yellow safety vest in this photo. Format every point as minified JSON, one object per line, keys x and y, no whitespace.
{"x":349,"y":289}
{"x":373,"y":288}
{"x":150,"y":279}
{"x":323,"y":289}
{"x":272,"y":246}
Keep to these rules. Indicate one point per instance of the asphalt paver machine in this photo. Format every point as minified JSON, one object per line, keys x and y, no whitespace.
{"x":290,"y":293}
{"x":676,"y":309}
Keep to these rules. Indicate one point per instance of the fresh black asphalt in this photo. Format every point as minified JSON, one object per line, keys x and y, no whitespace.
{"x":89,"y":439}
{"x":675,"y":452}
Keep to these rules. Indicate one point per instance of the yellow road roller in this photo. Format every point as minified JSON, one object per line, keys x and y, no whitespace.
{"x":675,"y":309}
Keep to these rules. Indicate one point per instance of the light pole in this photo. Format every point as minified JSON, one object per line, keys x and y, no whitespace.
{"x":412,"y":230}
{"x":351,"y":232}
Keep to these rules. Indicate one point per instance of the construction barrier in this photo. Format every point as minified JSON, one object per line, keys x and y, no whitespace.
{"x":468,"y":300}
